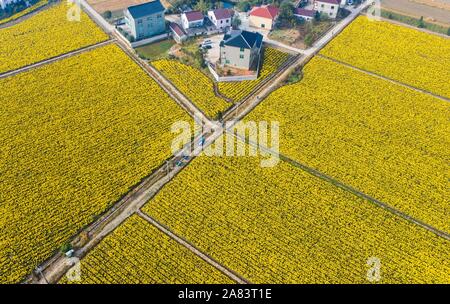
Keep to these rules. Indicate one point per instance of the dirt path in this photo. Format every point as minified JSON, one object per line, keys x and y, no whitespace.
{"x":56,"y":58}
{"x":348,"y":188}
{"x":386,"y":78}
{"x":194,"y":250}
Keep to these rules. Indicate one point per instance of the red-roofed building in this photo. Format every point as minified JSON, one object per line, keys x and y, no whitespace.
{"x":306,"y":14}
{"x":192,"y":19}
{"x":178,"y":34}
{"x":327,"y":7}
{"x":220,"y":17}
{"x":263,"y":16}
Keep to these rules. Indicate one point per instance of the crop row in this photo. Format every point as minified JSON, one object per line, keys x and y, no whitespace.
{"x":383,"y":139}
{"x":407,"y":55}
{"x":272,"y":61}
{"x":282,"y":225}
{"x":45,"y":35}
{"x":75,"y":136}
{"x":138,"y":253}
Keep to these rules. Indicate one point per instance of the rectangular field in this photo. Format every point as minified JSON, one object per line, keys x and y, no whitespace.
{"x":138,"y":253}
{"x":383,"y":139}
{"x":282,"y":225}
{"x":76,"y":135}
{"x":403,"y":54}
{"x":46,"y":35}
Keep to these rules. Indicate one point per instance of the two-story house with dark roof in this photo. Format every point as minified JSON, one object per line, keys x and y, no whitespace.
{"x":145,"y":20}
{"x":241,"y":49}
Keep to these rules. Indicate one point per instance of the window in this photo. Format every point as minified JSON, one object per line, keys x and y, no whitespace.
{"x":332,"y":7}
{"x":323,"y":5}
{"x":228,"y":20}
{"x":139,"y":21}
{"x":241,"y":56}
{"x":263,"y":25}
{"x":242,"y":49}
{"x":221,"y":21}
{"x":227,"y":61}
{"x":159,"y":16}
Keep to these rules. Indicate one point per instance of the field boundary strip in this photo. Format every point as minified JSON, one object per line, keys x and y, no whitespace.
{"x":55,"y":58}
{"x":384,"y":78}
{"x":347,"y":188}
{"x":229,"y":273}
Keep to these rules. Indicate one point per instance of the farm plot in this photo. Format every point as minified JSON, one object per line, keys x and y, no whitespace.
{"x":406,"y":55}
{"x":76,"y":135}
{"x":138,"y":253}
{"x":45,"y":35}
{"x":194,"y":84}
{"x":383,"y":139}
{"x":282,"y":225}
{"x":272,"y":61}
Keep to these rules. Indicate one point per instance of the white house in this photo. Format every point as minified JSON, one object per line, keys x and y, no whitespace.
{"x":4,"y":3}
{"x":178,"y":34}
{"x":241,"y":49}
{"x":306,"y":14}
{"x":327,"y":7}
{"x":192,"y":19}
{"x":221,"y":18}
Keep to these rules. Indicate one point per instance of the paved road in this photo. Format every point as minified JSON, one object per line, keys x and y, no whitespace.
{"x":325,"y":39}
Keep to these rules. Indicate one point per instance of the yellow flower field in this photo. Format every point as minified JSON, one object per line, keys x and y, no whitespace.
{"x":45,"y":35}
{"x":406,"y":55}
{"x":282,"y":225}
{"x":383,"y":139}
{"x":24,"y":12}
{"x":272,"y":61}
{"x":76,"y":135}
{"x":193,"y":84}
{"x":138,"y":253}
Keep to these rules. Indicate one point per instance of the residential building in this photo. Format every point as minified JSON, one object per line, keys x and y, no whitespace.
{"x":178,"y":34}
{"x":192,"y":19}
{"x":327,"y":7}
{"x":306,"y":14}
{"x":241,"y":49}
{"x":263,"y":17}
{"x":221,"y":18}
{"x":145,"y":20}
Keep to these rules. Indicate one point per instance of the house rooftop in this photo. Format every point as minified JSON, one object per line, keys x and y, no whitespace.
{"x":145,"y":9}
{"x":177,"y":29}
{"x":242,"y":39}
{"x":329,"y":1}
{"x":265,"y":11}
{"x":304,"y":12}
{"x":194,"y":16}
{"x":222,"y":13}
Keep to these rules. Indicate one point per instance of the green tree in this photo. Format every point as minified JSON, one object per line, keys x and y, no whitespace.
{"x":309,"y":39}
{"x":421,"y":22}
{"x":236,"y":22}
{"x":107,"y":14}
{"x":203,"y":6}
